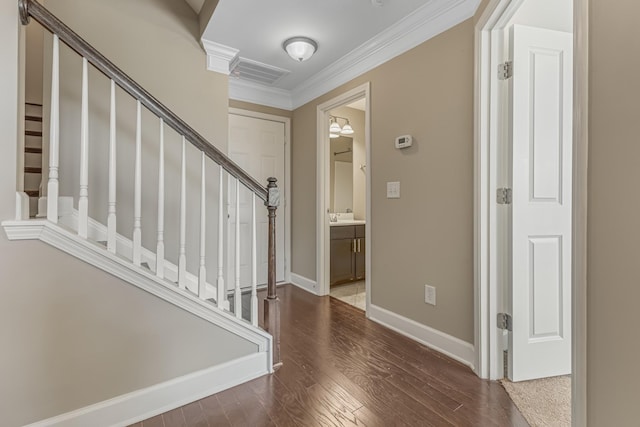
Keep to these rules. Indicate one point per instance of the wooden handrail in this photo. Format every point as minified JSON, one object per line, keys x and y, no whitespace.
{"x":31,"y":8}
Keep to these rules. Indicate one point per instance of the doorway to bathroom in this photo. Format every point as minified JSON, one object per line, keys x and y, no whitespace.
{"x":343,"y":224}
{"x":347,"y":210}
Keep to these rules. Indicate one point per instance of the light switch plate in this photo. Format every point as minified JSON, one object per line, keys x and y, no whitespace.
{"x":393,"y":190}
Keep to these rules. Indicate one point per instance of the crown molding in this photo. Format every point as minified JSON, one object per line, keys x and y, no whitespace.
{"x":242,"y":90}
{"x":220,"y":58}
{"x":435,"y":17}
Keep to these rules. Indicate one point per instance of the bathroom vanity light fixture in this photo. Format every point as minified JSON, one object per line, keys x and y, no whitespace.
{"x":300,"y":48}
{"x":336,"y":130}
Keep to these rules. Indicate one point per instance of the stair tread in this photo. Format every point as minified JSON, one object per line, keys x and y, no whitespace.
{"x":30,"y":169}
{"x":30,"y":118}
{"x":33,"y":132}
{"x":33,"y":193}
{"x":33,"y":150}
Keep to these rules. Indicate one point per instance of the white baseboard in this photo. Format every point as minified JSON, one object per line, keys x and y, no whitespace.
{"x":451,"y":346}
{"x":304,"y":283}
{"x":146,"y":403}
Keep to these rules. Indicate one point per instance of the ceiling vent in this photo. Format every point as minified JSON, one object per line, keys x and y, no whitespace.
{"x":254,"y":71}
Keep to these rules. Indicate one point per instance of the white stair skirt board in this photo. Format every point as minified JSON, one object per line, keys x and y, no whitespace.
{"x":68,"y":241}
{"x":148,"y":402}
{"x":304,"y":283}
{"x":453,"y":347}
{"x":124,"y":247}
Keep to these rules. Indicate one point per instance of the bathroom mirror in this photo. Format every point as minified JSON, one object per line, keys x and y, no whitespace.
{"x":341,"y":174}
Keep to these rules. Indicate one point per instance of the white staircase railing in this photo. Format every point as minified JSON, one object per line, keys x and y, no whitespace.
{"x":139,"y":256}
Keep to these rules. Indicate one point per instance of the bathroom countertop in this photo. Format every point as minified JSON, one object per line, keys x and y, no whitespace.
{"x":349,"y":222}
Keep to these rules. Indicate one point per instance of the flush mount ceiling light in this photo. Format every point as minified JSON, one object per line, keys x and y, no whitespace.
{"x":334,"y":127}
{"x":300,"y":48}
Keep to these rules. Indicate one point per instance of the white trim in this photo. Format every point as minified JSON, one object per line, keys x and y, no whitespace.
{"x":22,"y":205}
{"x":580,"y":194}
{"x":220,"y":58}
{"x":322,"y":187}
{"x":451,"y":346}
{"x":435,"y":17}
{"x":151,"y":401}
{"x":304,"y":283}
{"x":488,"y":297}
{"x":67,"y":241}
{"x":286,"y":121}
{"x":242,"y":90}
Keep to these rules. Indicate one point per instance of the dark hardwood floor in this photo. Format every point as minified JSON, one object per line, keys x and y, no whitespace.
{"x":341,"y":369}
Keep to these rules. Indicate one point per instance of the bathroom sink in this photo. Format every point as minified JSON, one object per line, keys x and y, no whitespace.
{"x":342,"y":218}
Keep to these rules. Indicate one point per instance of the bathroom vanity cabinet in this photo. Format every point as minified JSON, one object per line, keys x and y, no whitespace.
{"x":347,"y":253}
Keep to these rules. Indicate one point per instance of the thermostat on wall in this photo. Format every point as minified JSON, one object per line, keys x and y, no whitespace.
{"x":404,"y":141}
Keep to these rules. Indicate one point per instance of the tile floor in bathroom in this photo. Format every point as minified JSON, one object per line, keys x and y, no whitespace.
{"x":351,"y":293}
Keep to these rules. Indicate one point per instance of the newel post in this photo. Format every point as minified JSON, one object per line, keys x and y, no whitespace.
{"x":272,"y":303}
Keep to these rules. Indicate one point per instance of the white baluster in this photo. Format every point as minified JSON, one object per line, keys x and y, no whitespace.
{"x":111,"y":208}
{"x":83,"y":200}
{"x":254,"y":264}
{"x":221,"y":300}
{"x":202,"y":272}
{"x":182,"y":258}
{"x":54,"y":135}
{"x":137,"y":206}
{"x":160,"y":245}
{"x":238,"y":292}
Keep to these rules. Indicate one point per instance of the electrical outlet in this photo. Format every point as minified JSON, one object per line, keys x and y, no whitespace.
{"x":430,"y":294}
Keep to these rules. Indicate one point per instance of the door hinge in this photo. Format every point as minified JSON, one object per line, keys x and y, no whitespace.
{"x":505,"y":70}
{"x":504,"y":196}
{"x":505,"y":321}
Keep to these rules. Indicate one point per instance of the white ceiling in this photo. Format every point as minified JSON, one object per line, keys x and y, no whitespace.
{"x":353,"y":36}
{"x":257,"y":28}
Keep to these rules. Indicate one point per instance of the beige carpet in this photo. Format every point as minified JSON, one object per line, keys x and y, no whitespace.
{"x":544,"y":402}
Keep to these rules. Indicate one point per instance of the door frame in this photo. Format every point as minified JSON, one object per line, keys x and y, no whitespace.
{"x":488,"y":295}
{"x":323,"y":187}
{"x":287,"y":178}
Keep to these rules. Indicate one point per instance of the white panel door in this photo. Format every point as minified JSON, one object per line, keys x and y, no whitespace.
{"x":540,"y":344}
{"x":258,"y":147}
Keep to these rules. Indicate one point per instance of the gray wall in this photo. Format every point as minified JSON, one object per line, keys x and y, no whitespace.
{"x":72,"y":335}
{"x":433,"y":220}
{"x":613,"y":226}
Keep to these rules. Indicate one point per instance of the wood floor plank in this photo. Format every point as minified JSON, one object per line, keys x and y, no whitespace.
{"x":174,"y":418}
{"x":153,"y":422}
{"x":341,"y":369}
{"x":213,"y":412}
{"x":194,"y":416}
